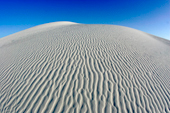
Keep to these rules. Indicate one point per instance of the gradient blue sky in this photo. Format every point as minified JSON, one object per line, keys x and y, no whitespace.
{"x":151,"y":16}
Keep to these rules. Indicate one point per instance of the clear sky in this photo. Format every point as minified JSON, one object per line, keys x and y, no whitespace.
{"x":151,"y":16}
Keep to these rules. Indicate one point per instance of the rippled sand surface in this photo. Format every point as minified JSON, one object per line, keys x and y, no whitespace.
{"x":78,"y":68}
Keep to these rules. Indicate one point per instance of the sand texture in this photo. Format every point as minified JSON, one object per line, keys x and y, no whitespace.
{"x":65,"y":67}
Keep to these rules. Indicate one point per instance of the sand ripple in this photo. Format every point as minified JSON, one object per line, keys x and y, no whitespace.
{"x":85,"y":68}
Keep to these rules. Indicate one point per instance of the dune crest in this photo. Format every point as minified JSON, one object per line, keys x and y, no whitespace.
{"x":37,"y":29}
{"x":69,"y":67}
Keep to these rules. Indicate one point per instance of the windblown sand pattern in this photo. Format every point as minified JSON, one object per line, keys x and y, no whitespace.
{"x":78,"y":68}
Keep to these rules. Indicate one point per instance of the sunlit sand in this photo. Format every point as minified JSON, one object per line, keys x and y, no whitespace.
{"x":69,"y":67}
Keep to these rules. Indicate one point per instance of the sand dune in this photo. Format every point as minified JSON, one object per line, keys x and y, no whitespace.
{"x":72,"y":68}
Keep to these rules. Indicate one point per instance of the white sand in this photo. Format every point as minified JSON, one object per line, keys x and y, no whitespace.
{"x":68,"y":67}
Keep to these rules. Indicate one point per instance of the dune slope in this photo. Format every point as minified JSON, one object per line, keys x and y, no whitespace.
{"x":68,"y":67}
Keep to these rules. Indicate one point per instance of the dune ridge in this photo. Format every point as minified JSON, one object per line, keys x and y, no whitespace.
{"x":84,"y":68}
{"x":37,"y":29}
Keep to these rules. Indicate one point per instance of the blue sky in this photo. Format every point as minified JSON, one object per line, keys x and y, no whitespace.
{"x":151,"y":16}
